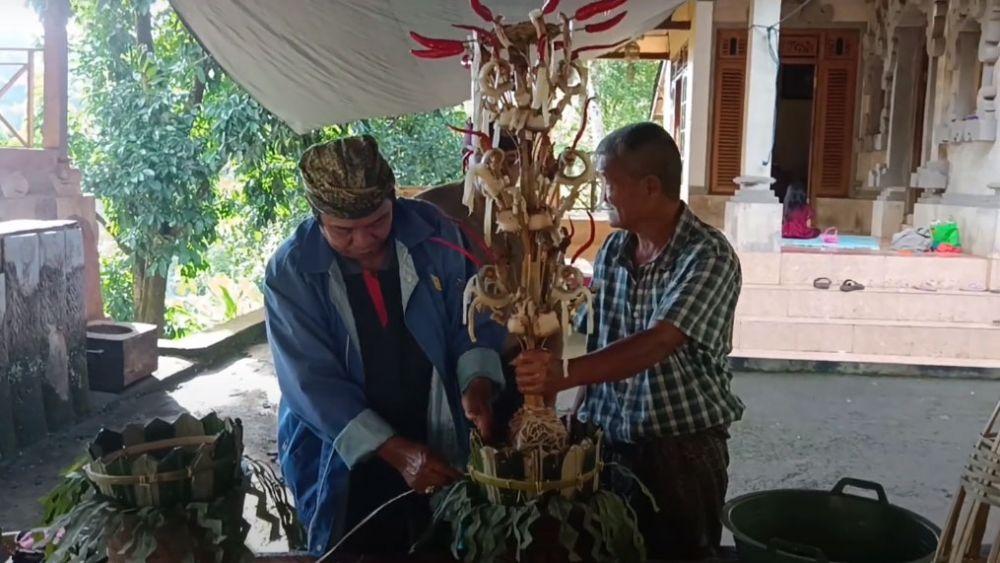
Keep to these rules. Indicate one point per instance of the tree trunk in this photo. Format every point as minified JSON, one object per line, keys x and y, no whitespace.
{"x":150,"y":293}
{"x":144,"y":29}
{"x":596,"y":117}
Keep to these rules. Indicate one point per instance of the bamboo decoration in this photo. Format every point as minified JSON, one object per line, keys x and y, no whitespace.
{"x":524,"y":76}
{"x":962,"y":537}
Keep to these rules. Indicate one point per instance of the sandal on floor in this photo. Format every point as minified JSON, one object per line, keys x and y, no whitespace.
{"x":822,"y":283}
{"x":974,"y":287}
{"x":926,"y":286}
{"x":851,"y":285}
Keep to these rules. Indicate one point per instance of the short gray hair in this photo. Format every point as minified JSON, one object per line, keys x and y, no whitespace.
{"x":647,"y":150}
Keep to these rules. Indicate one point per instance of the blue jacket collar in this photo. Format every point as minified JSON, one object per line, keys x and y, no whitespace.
{"x":408,"y":227}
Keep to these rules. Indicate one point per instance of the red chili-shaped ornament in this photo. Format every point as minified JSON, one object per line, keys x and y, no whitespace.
{"x":590,"y":240}
{"x":606,"y":24}
{"x":435,"y":44}
{"x":479,"y":134}
{"x":550,"y":6}
{"x":482,"y":10}
{"x":594,"y":8}
{"x":437,"y":53}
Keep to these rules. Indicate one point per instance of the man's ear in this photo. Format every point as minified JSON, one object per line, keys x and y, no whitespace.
{"x":652,"y":186}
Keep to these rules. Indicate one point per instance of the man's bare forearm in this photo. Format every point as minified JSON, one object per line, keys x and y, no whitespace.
{"x":627,"y":357}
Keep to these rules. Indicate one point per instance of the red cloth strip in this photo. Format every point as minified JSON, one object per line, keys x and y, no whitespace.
{"x":458,"y":249}
{"x":375,"y":292}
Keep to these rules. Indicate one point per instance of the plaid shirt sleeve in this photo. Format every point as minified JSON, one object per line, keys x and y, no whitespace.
{"x":596,"y":281}
{"x":701,"y":300}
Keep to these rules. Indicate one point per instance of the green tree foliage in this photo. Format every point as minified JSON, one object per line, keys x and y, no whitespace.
{"x":422,"y":150}
{"x":160,"y":124}
{"x":624,"y":90}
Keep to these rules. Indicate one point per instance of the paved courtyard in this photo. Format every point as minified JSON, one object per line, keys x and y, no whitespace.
{"x":800,"y":430}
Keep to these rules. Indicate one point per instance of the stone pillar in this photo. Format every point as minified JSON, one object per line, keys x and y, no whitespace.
{"x":932,"y":175}
{"x":928,"y":151}
{"x":24,"y":341}
{"x":753,"y":215}
{"x":893,"y":178}
{"x":888,"y":212}
{"x":8,"y":439}
{"x":989,"y":56}
{"x":701,"y":42}
{"x":963,"y":95}
{"x":899,"y":157}
{"x":52,"y":295}
{"x":56,"y":85}
{"x":76,"y":322}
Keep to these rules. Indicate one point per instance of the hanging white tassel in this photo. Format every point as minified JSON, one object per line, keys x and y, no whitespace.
{"x":470,"y":287}
{"x":477,"y":61}
{"x":488,"y":222}
{"x":469,"y":189}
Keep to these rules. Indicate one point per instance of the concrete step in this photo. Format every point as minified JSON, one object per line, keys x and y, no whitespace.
{"x":873,"y":269}
{"x":873,"y":337}
{"x":910,"y":305}
{"x":864,"y":364}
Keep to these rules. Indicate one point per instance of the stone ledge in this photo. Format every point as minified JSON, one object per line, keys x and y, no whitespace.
{"x":219,"y":341}
{"x":826,"y":363}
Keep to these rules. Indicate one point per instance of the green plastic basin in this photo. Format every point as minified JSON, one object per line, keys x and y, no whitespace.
{"x":800,"y":525}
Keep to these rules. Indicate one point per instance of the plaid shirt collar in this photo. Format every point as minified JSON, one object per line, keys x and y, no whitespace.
{"x":625,"y":258}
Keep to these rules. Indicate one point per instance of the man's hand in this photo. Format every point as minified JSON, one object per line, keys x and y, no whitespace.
{"x":421,"y":468}
{"x":540,"y":372}
{"x":478,"y":404}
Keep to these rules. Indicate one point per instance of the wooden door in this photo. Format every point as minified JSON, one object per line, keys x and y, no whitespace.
{"x":727,"y":110}
{"x":831,"y":167}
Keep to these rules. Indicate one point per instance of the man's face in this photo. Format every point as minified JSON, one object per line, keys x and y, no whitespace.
{"x":621,"y":192}
{"x":359,"y":239}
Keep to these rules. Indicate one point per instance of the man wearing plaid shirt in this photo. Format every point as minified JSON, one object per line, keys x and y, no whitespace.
{"x":656,"y":373}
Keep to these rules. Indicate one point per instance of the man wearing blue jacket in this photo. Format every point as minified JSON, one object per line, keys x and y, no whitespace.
{"x":378,"y":375}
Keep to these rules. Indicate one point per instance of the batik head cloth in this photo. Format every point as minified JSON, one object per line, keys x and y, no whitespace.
{"x":347,"y":178}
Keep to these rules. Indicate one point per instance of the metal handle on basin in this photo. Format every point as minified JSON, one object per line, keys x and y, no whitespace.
{"x":861,"y":484}
{"x":95,"y":352}
{"x":791,"y":548}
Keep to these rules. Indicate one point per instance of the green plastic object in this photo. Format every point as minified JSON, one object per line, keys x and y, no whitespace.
{"x":945,"y":233}
{"x":808,"y":526}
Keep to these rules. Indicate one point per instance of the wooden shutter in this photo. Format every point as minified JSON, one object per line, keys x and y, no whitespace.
{"x":727,"y":109}
{"x":834,"y":105}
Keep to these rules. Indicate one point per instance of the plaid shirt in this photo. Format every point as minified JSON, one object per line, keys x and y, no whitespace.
{"x":693,"y":284}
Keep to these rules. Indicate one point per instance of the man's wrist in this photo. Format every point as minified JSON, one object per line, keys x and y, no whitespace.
{"x":570,"y":373}
{"x":481,"y":384}
{"x":391,"y":451}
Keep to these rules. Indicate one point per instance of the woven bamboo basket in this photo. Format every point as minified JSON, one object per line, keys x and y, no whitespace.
{"x":510,"y":476}
{"x":978,"y":497}
{"x":169,"y":466}
{"x":164,"y":464}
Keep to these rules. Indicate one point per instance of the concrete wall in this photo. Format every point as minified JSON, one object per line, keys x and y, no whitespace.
{"x":39,"y":185}
{"x":43,"y":357}
{"x":972,"y":166}
{"x":819,"y":12}
{"x":850,"y":216}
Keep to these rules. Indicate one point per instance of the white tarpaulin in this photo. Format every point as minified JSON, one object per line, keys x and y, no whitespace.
{"x":320,"y":62}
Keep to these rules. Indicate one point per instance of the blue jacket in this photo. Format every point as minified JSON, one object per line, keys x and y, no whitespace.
{"x":325,"y":426}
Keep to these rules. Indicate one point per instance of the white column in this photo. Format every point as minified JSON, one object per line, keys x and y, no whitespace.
{"x":893,"y":179}
{"x":700,"y":51}
{"x":761,"y":87}
{"x":55,"y":85}
{"x":753,"y":215}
